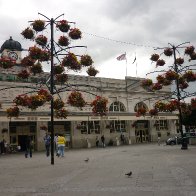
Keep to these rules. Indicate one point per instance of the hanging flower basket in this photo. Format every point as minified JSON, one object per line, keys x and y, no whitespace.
{"x":45,"y":93}
{"x":99,"y":106}
{"x":45,"y":55}
{"x":154,"y":57}
{"x":141,"y":112}
{"x":63,"y":41}
{"x":6,"y":63}
{"x":171,"y":75}
{"x":38,"y":25}
{"x":153,"y":112}
{"x":36,"y":68}
{"x":190,"y":76}
{"x":193,"y":56}
{"x":183,"y":85}
{"x":58,"y":104}
{"x":62,"y":113}
{"x":168,"y":51}
{"x":41,"y":40}
{"x":43,"y":127}
{"x":13,"y":112}
{"x":167,"y":82}
{"x":63,"y":26}
{"x":28,"y":33}
{"x":160,"y":106}
{"x":160,"y":79}
{"x":35,"y":52}
{"x":146,"y":83}
{"x":193,"y":103}
{"x":170,"y":107}
{"x":75,"y":33}
{"x":179,"y":61}
{"x":24,"y":74}
{"x":61,"y":78}
{"x":86,"y":60}
{"x":91,"y":71}
{"x":76,"y":99}
{"x":71,"y":62}
{"x":160,"y":62}
{"x":27,"y":61}
{"x":21,"y":100}
{"x":157,"y":86}
{"x":189,"y":50}
{"x":36,"y":101}
{"x":58,"y":69}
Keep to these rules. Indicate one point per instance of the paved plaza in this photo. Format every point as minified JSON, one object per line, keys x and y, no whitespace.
{"x":157,"y":171}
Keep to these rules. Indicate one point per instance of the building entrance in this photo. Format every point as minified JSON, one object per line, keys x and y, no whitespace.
{"x":141,"y":131}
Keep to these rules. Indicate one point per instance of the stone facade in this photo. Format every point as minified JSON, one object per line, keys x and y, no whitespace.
{"x":81,"y":127}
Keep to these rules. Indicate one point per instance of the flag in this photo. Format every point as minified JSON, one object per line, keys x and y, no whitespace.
{"x":121,"y":57}
{"x":134,"y":60}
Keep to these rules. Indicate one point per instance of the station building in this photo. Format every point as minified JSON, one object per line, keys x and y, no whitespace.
{"x":81,"y":127}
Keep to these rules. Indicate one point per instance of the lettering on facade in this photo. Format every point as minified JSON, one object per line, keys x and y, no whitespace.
{"x":113,"y":118}
{"x":32,"y":118}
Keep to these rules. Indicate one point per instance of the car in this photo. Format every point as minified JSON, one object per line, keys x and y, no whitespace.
{"x":174,"y":140}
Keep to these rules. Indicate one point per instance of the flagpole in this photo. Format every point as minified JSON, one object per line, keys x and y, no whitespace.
{"x":126,"y":64}
{"x":136,"y":68}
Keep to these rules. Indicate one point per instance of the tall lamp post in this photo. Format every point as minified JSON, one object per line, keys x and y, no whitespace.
{"x":182,"y":75}
{"x":53,"y":53}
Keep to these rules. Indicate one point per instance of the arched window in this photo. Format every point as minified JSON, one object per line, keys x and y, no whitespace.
{"x":117,"y":107}
{"x":140,"y":105}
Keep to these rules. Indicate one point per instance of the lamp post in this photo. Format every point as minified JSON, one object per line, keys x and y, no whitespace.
{"x":179,"y":76}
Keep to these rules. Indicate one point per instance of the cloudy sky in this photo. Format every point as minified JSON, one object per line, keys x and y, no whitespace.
{"x":110,"y":28}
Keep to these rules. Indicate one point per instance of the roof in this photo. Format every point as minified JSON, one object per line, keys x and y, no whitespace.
{"x":11,"y":45}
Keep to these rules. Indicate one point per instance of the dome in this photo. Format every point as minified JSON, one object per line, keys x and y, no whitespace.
{"x":11,"y":45}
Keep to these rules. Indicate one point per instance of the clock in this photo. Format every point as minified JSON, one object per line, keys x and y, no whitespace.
{"x":13,"y":55}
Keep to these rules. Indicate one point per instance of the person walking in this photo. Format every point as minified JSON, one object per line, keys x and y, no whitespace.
{"x":61,"y":145}
{"x":28,"y":146}
{"x":97,"y":141}
{"x":103,"y":141}
{"x":47,"y":140}
{"x":56,"y":143}
{"x":159,"y":139}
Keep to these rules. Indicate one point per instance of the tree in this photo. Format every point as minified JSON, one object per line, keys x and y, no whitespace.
{"x":58,"y":53}
{"x":177,"y":73}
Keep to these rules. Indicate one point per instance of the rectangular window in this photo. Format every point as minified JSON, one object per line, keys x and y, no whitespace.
{"x":161,"y":125}
{"x":90,"y":127}
{"x":118,"y":126}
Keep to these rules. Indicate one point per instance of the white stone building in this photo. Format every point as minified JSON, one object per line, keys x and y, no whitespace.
{"x":81,"y":127}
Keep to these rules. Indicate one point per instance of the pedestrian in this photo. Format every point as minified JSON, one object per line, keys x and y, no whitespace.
{"x":159,"y":139}
{"x":56,"y":143}
{"x":3,"y":146}
{"x":122,"y":138}
{"x":97,"y":141}
{"x":61,"y":145}
{"x":28,"y":146}
{"x":47,"y":140}
{"x":103,"y":141}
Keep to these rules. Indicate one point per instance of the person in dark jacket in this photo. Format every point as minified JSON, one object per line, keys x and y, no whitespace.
{"x":28,"y":146}
{"x":103,"y":141}
{"x":47,"y":140}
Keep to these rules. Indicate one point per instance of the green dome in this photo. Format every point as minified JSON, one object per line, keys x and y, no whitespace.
{"x":11,"y":44}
